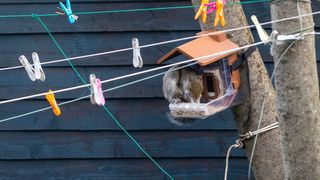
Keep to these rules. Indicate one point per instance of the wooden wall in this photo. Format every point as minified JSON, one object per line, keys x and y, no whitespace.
{"x":84,"y":143}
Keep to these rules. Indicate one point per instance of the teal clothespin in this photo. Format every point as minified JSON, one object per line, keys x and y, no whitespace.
{"x":68,"y":12}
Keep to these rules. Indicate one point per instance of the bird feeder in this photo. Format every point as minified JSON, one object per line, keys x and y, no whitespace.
{"x":220,"y":81}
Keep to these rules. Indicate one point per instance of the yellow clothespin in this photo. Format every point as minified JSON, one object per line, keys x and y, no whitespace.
{"x":219,"y":14}
{"x":202,"y":11}
{"x":52,"y":101}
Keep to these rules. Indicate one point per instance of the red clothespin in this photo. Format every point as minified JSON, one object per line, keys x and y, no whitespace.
{"x":219,"y":14}
{"x":52,"y":101}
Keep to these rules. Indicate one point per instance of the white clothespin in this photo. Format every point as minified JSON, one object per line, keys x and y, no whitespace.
{"x":274,"y":39}
{"x":96,"y":91}
{"x":277,"y":39}
{"x":35,"y":72}
{"x":280,"y":39}
{"x":137,"y":59}
{"x":262,"y":33}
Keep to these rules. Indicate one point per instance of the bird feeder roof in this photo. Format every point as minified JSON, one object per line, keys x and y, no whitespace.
{"x":204,"y":46}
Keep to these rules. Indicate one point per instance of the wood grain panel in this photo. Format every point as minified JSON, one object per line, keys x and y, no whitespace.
{"x":141,"y":169}
{"x":134,"y":114}
{"x":100,"y":144}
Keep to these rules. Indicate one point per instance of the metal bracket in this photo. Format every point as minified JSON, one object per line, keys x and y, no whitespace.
{"x":277,"y":39}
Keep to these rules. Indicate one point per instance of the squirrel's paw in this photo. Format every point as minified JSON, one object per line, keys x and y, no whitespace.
{"x":176,"y":101}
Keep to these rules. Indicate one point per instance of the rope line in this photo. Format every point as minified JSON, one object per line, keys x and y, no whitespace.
{"x":133,"y":74}
{"x":115,"y":88}
{"x":163,"y":42}
{"x":128,"y":10}
{"x":104,"y":107}
{"x":239,"y":142}
{"x":2,"y":102}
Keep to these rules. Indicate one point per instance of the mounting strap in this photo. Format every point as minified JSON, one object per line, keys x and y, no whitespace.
{"x":241,"y":58}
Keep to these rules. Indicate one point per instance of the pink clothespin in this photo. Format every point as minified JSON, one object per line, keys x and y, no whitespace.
{"x":101,"y":97}
{"x":96,"y":91}
{"x":212,"y":7}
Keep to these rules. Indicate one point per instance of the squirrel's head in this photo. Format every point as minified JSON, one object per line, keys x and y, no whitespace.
{"x":195,"y":87}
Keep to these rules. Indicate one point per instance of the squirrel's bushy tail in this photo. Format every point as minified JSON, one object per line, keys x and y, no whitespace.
{"x":181,"y":121}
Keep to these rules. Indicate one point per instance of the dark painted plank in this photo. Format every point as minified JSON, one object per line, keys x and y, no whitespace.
{"x":134,"y":114}
{"x":61,"y":78}
{"x":88,"y":43}
{"x":140,"y":169}
{"x":165,"y":20}
{"x":58,"y":78}
{"x":101,"y":144}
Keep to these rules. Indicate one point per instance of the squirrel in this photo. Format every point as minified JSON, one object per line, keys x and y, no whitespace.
{"x":183,"y":85}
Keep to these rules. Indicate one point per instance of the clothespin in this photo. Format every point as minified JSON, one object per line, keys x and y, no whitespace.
{"x":277,"y":39}
{"x":202,"y":11}
{"x":96,"y":91}
{"x":52,"y":101}
{"x":211,"y":7}
{"x":137,"y":59}
{"x":67,"y":11}
{"x":274,"y":39}
{"x":219,"y":14}
{"x":280,"y":39}
{"x":264,"y":37}
{"x":35,"y":72}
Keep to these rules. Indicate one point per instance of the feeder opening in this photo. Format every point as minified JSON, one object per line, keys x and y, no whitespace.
{"x":211,"y":86}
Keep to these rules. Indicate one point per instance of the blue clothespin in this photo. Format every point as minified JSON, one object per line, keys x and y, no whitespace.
{"x":68,"y":12}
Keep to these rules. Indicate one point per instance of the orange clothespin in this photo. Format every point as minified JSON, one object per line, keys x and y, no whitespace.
{"x":52,"y":101}
{"x":202,"y":11}
{"x":219,"y":14}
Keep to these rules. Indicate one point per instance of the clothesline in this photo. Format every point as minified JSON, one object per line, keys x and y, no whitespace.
{"x":162,"y":67}
{"x":161,"y":43}
{"x":133,"y":74}
{"x":127,"y":10}
{"x":84,"y":97}
{"x":114,"y":88}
